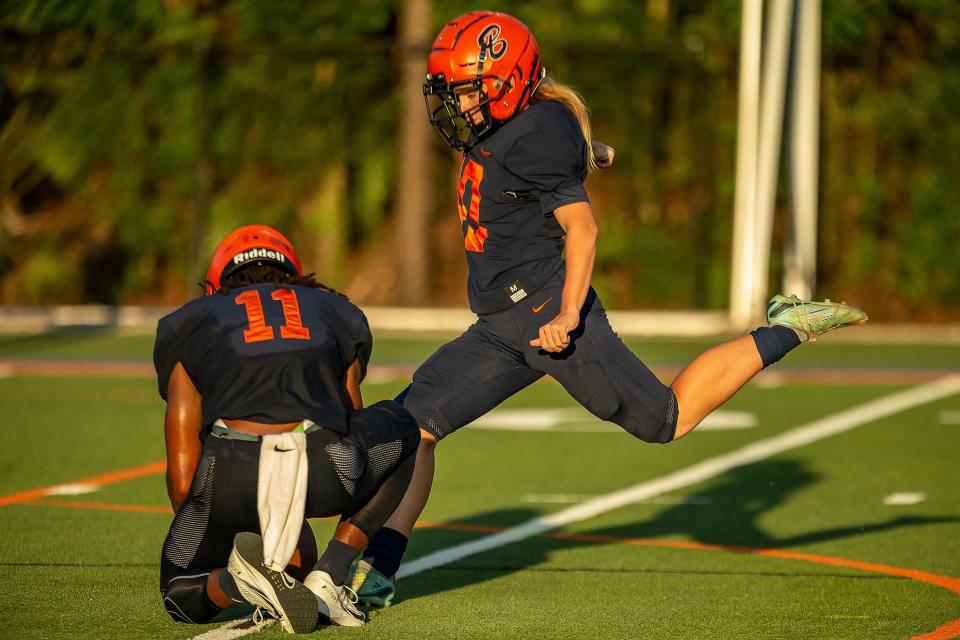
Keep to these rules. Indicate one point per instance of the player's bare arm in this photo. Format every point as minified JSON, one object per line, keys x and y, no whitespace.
{"x":581,"y":247}
{"x":181,"y":431}
{"x":351,"y":385}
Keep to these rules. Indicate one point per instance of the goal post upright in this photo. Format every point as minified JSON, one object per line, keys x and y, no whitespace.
{"x":764,"y":64}
{"x":800,"y":252}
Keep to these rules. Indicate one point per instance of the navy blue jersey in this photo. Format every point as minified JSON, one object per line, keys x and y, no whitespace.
{"x":265,"y":353}
{"x":510,"y":183}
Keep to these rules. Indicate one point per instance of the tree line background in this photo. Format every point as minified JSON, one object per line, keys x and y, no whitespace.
{"x":134,"y":134}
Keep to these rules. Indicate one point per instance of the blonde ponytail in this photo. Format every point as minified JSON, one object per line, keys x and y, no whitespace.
{"x":550,"y":89}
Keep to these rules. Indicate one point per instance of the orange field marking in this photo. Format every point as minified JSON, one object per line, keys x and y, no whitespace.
{"x":102,"y":506}
{"x":111,"y":477}
{"x":114,"y":506}
{"x":944,"y":632}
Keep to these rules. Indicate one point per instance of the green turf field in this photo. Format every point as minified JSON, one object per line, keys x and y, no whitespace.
{"x":799,"y":544}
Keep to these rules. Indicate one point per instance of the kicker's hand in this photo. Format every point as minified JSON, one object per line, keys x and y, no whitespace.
{"x":555,"y":335}
{"x":602,"y":153}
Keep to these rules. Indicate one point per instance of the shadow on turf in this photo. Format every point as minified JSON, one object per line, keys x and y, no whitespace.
{"x":727,"y":512}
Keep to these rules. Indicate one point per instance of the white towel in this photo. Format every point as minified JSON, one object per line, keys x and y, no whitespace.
{"x":281,"y":495}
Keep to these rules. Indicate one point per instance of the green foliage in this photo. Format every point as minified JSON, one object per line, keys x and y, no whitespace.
{"x":136,"y":133}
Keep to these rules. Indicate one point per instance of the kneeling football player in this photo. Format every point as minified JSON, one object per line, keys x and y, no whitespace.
{"x":264,"y":426}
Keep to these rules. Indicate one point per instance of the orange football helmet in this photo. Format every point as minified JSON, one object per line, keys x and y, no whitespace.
{"x":251,"y":244}
{"x":491,"y":52}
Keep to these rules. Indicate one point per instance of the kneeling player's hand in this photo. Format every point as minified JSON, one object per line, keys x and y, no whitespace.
{"x":555,"y":335}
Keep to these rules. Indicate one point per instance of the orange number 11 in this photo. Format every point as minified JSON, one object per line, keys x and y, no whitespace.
{"x":259,"y":330}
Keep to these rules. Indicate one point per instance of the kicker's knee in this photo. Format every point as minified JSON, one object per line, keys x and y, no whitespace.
{"x":650,"y":423}
{"x":185,"y":599}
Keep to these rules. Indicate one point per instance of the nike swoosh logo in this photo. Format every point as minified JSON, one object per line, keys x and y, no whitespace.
{"x":537,"y":309}
{"x":277,"y":448}
{"x":287,"y":580}
{"x":485,"y":153}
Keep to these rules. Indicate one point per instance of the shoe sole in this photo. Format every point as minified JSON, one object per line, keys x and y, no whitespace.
{"x":296,"y":605}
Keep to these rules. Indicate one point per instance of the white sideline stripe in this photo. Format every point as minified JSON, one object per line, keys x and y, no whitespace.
{"x":798,"y":437}
{"x":579,"y":420}
{"x":565,"y":498}
{"x":705,"y":470}
{"x":235,"y":629}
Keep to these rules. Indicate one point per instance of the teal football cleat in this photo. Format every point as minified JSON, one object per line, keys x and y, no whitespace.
{"x":812,"y":319}
{"x":374,"y":590}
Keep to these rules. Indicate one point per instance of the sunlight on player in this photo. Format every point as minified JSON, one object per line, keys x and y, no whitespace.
{"x":265,"y":426}
{"x":530,"y":240}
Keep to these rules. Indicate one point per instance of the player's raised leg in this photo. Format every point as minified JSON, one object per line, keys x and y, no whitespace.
{"x":603,"y":375}
{"x":716,"y":374}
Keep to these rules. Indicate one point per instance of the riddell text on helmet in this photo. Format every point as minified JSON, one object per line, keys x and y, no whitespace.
{"x":253,"y":254}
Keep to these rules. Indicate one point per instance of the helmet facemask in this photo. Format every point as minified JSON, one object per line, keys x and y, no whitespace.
{"x":456,"y":127}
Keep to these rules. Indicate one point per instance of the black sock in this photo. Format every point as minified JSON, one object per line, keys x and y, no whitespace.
{"x":336,"y":561}
{"x":774,"y":342}
{"x":385,"y":551}
{"x":229,"y":586}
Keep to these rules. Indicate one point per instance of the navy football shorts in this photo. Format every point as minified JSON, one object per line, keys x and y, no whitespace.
{"x":493,"y":359}
{"x":345,"y":472}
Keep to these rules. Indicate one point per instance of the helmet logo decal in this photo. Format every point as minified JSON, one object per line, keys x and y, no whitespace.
{"x":253,"y":254}
{"x":490,"y":43}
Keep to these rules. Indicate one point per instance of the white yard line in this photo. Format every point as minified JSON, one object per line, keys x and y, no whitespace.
{"x":74,"y":489}
{"x":234,"y":629}
{"x":904,"y":498}
{"x":702,"y":471}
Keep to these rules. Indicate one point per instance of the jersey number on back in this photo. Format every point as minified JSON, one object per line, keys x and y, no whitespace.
{"x":259,"y":329}
{"x":474,"y":234}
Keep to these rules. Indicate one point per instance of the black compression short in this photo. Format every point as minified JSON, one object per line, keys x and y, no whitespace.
{"x":345,"y":473}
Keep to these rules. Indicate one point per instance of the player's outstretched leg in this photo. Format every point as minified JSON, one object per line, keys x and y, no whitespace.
{"x":718,"y":373}
{"x":274,"y":591}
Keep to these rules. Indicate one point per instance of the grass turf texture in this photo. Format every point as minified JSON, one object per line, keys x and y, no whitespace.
{"x":93,"y":573}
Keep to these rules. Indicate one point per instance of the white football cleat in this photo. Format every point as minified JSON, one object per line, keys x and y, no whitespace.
{"x":274,"y":591}
{"x":339,"y":604}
